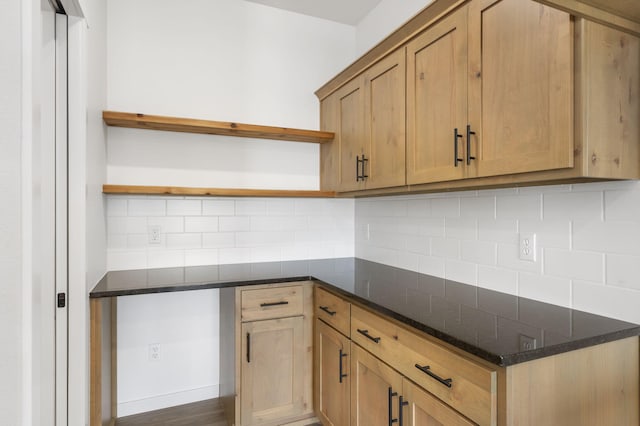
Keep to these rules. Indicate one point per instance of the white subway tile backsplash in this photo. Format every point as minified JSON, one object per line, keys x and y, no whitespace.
{"x":443,"y":247}
{"x":234,"y":255}
{"x":201,"y":224}
{"x":184,"y":207}
{"x":575,"y":265}
{"x":116,"y":241}
{"x":431,"y":265}
{"x":498,"y":279}
{"x":509,"y":258}
{"x":573,"y":206}
{"x":461,"y":228}
{"x":419,"y":208}
{"x":199,"y":257}
{"x":263,"y":238}
{"x":251,"y":208}
{"x":165,"y":258}
{"x":519,"y":207}
{"x":622,"y":205}
{"x":545,"y":288}
{"x":219,"y":240}
{"x":118,"y":260}
{"x":218,"y":207}
{"x":623,"y":271}
{"x":610,"y":237}
{"x":184,"y":241}
{"x":266,"y":223}
{"x":500,"y":231}
{"x":146,"y":207}
{"x":610,"y":301}
{"x":465,"y":272}
{"x":116,"y":207}
{"x":281,"y":207}
{"x":417,"y":244}
{"x":549,"y":233}
{"x":127,"y":225}
{"x":167,"y":224}
{"x":140,"y":241}
{"x":234,"y":224}
{"x":480,"y":252}
{"x":478,"y":207}
{"x":445,"y":207}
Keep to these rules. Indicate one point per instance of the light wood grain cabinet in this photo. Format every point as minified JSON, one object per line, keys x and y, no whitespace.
{"x":273,"y":358}
{"x":368,"y":115}
{"x":498,"y":93}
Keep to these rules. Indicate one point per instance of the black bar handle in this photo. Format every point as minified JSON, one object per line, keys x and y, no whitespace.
{"x":341,"y":355}
{"x":327,"y":310}
{"x":265,"y":305}
{"x":366,"y":334}
{"x":401,"y":404}
{"x":427,"y":370}
{"x":391,"y":395}
{"x":469,"y":133}
{"x":365,"y":160}
{"x":456,"y":160}
{"x":248,"y":347}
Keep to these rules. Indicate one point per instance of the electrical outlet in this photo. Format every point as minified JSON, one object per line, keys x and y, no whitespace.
{"x":527,"y":246}
{"x":527,"y":343}
{"x":154,"y":234}
{"x":154,"y":352}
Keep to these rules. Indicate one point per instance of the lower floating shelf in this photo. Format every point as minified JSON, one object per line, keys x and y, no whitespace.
{"x":219,"y":192}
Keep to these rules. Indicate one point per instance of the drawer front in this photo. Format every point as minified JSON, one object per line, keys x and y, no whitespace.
{"x":333,"y":310}
{"x":274,"y":302}
{"x":463,"y":384}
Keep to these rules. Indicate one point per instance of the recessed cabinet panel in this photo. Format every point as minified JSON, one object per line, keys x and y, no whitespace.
{"x":272,"y":363}
{"x":437,"y":101}
{"x":521,"y":96}
{"x":385,"y":118}
{"x":351,"y":134}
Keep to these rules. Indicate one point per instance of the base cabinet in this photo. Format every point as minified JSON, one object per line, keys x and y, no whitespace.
{"x":420,"y":408}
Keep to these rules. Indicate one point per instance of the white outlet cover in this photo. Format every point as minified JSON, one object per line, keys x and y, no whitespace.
{"x":527,"y":246}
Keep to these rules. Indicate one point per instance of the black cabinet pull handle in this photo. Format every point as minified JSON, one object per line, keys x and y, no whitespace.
{"x":401,"y":404}
{"x":327,"y":310}
{"x":265,"y":305}
{"x":469,"y":133}
{"x":366,"y":334}
{"x":456,"y":160}
{"x":427,"y":370}
{"x":248,"y":347}
{"x":340,"y":356}
{"x":364,"y":162}
{"x":391,"y":395}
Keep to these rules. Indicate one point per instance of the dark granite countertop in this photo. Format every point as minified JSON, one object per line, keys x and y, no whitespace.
{"x":491,"y":325}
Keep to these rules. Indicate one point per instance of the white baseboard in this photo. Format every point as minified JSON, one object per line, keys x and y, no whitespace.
{"x":169,"y":400}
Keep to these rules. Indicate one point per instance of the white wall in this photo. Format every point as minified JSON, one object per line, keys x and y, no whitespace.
{"x":11,"y":290}
{"x":587,"y":251}
{"x":384,"y":19}
{"x":226,"y":60}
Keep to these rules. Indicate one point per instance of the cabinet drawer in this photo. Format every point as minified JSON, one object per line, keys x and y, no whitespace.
{"x":275,"y":302}
{"x":333,"y":310}
{"x":463,"y":384}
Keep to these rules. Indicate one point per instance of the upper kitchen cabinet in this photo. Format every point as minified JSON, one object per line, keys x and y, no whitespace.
{"x":437,"y":101}
{"x":368,"y":118}
{"x":498,"y":93}
{"x":520,"y":88}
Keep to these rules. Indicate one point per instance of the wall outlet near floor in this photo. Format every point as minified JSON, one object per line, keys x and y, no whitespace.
{"x":527,"y":246}
{"x":527,"y":343}
{"x":154,"y":234}
{"x":154,"y":352}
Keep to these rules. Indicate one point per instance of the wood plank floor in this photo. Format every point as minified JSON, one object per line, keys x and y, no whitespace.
{"x":203,"y":413}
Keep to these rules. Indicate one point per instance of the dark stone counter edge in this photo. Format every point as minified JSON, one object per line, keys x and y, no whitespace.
{"x":499,"y":360}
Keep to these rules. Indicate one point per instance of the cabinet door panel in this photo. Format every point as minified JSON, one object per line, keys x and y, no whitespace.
{"x":424,"y":409}
{"x":385,"y":121}
{"x":351,"y":133}
{"x":371,"y":403}
{"x":332,"y":391}
{"x":272,"y":360}
{"x":520,"y":86}
{"x":437,"y":100}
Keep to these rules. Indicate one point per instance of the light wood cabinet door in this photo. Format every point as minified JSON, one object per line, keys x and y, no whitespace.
{"x":520,"y":87}
{"x":332,"y":376}
{"x":420,"y":408}
{"x":351,"y":134}
{"x":272,"y":365}
{"x":437,"y":101}
{"x":384,"y":106}
{"x":375,"y":390}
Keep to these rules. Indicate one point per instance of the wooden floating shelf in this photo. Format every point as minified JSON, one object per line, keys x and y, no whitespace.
{"x":190,"y":125}
{"x":220,"y":192}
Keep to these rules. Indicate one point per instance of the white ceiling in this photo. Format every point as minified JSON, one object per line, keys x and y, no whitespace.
{"x":348,"y":12}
